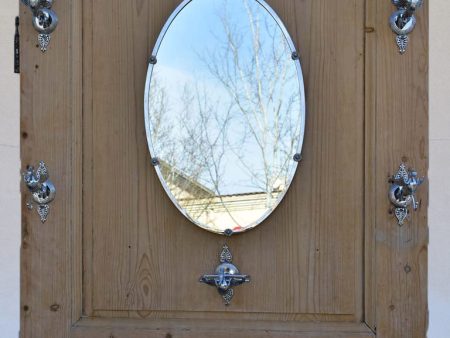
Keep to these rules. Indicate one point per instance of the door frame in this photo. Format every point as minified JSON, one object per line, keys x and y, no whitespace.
{"x":395,"y":263}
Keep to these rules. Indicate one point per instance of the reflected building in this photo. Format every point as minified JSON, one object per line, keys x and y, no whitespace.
{"x":226,"y":116}
{"x":217,"y":212}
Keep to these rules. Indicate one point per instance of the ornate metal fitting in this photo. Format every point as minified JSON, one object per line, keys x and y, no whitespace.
{"x":42,"y":189}
{"x":226,"y":276}
{"x":403,"y":21}
{"x":402,"y":193}
{"x":45,"y":20}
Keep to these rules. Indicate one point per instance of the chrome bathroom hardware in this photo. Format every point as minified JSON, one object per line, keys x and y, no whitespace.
{"x":402,"y":193}
{"x":403,"y":21}
{"x":42,"y":189}
{"x":45,"y":20}
{"x":226,"y":276}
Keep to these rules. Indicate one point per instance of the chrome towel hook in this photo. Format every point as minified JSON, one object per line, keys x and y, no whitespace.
{"x":45,"y":20}
{"x":42,"y":190}
{"x":402,"y":192}
{"x":403,"y":21}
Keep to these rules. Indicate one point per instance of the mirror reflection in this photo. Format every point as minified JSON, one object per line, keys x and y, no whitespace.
{"x":225,"y":112}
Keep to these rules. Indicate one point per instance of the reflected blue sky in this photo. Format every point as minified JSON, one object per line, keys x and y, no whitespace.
{"x":225,"y":101}
{"x":200,"y":19}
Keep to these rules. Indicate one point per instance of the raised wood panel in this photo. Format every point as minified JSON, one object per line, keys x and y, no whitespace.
{"x":305,"y":259}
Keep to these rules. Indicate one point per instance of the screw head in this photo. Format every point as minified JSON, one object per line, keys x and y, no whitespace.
{"x":228,"y":232}
{"x":155,"y":161}
{"x":153,"y":60}
{"x":295,"y":56}
{"x":298,"y":157}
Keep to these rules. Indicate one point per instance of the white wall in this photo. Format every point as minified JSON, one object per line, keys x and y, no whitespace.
{"x":439,"y":221}
{"x":439,"y":262}
{"x":9,"y":176}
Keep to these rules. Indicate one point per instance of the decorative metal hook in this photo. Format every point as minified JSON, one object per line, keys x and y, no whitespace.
{"x":42,"y":189}
{"x":45,"y":20}
{"x":402,"y":193}
{"x":403,"y":21}
{"x":226,"y":276}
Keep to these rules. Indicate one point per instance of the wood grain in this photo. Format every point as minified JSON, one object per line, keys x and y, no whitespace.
{"x":401,"y":99}
{"x":329,"y":258}
{"x":214,"y":328}
{"x":305,"y":259}
{"x":370,"y":196}
{"x":51,"y":113}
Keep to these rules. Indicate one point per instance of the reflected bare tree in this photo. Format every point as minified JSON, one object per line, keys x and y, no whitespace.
{"x":253,"y":121}
{"x":261,"y":82}
{"x":193,"y":158}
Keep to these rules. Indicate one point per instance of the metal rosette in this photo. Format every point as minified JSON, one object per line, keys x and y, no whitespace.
{"x":44,"y":20}
{"x":403,"y":21}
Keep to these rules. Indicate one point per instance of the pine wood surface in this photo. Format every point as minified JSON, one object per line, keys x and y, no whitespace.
{"x":329,"y":262}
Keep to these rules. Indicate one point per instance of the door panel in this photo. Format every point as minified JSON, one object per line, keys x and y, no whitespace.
{"x":117,"y":259}
{"x":305,"y":260}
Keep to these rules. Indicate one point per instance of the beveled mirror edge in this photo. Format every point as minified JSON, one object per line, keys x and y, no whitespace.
{"x":151,"y":149}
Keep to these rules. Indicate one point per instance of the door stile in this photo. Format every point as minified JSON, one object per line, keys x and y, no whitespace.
{"x":51,"y":91}
{"x":401,"y":108}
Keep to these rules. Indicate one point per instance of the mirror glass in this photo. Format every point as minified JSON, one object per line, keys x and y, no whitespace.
{"x":225,"y":112}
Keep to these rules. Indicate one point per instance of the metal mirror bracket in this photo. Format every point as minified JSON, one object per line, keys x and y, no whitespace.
{"x":226,"y":276}
{"x":45,"y":20}
{"x":403,"y":21}
{"x":42,"y":189}
{"x":402,"y":193}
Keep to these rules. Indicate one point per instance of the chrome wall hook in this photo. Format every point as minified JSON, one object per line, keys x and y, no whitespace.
{"x":403,"y":21}
{"x":42,"y":189}
{"x":402,"y":193}
{"x":45,"y":20}
{"x":226,"y":276}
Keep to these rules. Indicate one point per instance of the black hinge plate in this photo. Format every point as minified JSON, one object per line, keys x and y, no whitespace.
{"x":17,"y":48}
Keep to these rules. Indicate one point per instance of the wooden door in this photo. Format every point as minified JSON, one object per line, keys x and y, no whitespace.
{"x":117,"y":260}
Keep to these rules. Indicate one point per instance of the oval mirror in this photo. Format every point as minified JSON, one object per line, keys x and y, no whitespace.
{"x":225,"y":112}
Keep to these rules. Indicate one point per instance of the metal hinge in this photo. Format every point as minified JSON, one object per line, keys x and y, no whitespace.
{"x":17,"y":48}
